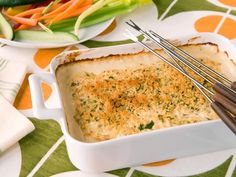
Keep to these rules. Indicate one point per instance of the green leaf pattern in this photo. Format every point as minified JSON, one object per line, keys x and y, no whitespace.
{"x":36,"y":144}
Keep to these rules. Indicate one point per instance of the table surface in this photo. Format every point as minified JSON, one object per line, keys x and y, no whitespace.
{"x":43,"y":152}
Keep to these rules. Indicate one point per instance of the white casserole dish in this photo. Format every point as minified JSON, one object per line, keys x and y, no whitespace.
{"x":142,"y":148}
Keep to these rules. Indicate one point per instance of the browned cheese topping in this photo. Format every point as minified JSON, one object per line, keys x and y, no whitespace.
{"x":123,"y":102}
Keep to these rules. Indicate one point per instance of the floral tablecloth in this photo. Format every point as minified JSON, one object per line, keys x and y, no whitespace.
{"x":43,"y":152}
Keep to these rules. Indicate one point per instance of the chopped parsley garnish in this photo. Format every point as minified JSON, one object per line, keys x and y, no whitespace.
{"x":141,"y":127}
{"x":147,"y":126}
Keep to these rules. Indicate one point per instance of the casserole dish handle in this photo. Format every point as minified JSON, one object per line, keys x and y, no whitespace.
{"x":39,"y":108}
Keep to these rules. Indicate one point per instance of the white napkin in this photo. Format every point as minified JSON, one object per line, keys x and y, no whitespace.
{"x":11,"y":77}
{"x":13,"y":125}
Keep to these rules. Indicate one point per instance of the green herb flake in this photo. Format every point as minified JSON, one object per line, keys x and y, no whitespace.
{"x":147,"y":126}
{"x":141,"y":127}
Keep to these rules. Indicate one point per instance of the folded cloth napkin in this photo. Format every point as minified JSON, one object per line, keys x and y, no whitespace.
{"x":13,"y":125}
{"x":11,"y":77}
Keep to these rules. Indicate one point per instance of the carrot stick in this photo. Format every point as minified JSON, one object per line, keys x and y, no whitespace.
{"x":30,"y":12}
{"x":73,"y":7}
{"x":79,"y":11}
{"x":89,"y":2}
{"x":76,"y":13}
{"x":56,"y":11}
{"x":23,"y":26}
{"x":21,"y":20}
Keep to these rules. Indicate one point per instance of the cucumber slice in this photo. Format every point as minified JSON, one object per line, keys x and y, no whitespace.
{"x":42,"y":36}
{"x":5,"y":28}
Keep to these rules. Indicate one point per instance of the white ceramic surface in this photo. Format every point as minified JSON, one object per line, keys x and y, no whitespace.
{"x":85,"y":34}
{"x":142,"y":148}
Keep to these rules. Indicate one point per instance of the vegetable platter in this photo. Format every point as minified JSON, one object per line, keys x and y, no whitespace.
{"x":57,"y":23}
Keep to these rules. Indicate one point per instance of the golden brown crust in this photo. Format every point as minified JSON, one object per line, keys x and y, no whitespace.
{"x":123,"y":102}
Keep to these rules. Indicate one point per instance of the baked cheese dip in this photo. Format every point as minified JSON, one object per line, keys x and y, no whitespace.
{"x":132,"y":98}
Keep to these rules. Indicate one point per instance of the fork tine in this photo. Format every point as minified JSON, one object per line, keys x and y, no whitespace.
{"x":134,"y":25}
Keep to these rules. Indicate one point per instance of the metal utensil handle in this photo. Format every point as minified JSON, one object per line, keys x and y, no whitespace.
{"x":229,"y":120}
{"x":233,"y":85}
{"x":227,"y":103}
{"x":224,"y":91}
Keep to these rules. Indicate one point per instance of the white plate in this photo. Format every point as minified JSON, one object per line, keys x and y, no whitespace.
{"x":85,"y":34}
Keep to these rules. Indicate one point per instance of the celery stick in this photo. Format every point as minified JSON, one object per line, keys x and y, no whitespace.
{"x":49,"y":6}
{"x":98,"y":5}
{"x":46,"y":9}
{"x":101,"y":15}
